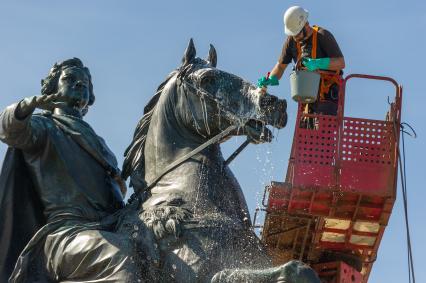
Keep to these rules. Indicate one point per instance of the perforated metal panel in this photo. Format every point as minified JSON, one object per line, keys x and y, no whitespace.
{"x":367,"y":141}
{"x":315,"y":153}
{"x":367,"y":154}
{"x":318,"y":146}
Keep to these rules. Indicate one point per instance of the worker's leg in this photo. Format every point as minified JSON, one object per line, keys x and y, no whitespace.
{"x":328,"y":106}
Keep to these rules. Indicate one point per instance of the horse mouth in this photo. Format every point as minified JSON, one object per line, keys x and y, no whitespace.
{"x":257,"y":131}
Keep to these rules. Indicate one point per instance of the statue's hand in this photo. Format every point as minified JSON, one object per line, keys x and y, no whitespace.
{"x":46,"y":102}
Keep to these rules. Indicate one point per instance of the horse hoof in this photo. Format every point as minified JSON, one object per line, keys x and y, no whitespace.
{"x":297,"y":272}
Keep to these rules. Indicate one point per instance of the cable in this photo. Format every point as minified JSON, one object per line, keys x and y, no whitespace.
{"x":402,"y":169}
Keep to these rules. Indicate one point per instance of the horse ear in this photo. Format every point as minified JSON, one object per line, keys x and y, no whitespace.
{"x":190,"y":53}
{"x":212,"y":57}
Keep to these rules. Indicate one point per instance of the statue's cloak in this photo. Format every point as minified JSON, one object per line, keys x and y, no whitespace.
{"x":21,"y":211}
{"x":22,"y":222}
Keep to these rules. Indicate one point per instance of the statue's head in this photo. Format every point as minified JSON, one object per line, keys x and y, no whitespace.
{"x":73,"y":80}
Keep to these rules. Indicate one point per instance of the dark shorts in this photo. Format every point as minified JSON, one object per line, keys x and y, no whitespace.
{"x":328,"y":105}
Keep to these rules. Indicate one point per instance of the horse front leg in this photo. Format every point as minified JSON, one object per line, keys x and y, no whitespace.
{"x":291,"y":272}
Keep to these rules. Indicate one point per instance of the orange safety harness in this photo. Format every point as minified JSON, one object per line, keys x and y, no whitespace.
{"x":327,"y":79}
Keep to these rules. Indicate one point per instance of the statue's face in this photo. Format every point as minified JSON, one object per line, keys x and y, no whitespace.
{"x":74,"y":85}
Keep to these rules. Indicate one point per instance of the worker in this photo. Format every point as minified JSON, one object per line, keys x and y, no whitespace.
{"x":316,"y":49}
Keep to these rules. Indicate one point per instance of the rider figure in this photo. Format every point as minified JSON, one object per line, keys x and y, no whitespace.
{"x":74,"y":176}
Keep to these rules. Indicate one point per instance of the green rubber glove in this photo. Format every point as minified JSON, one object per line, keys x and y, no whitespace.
{"x":315,"y":64}
{"x":273,"y":80}
{"x":264,"y":81}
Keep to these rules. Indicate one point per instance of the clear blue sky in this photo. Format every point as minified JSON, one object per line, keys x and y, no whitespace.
{"x":130,"y":46}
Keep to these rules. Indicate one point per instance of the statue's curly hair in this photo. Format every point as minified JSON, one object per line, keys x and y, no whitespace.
{"x":49,"y":85}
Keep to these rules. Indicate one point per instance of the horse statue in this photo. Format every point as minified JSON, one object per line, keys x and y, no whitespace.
{"x":184,"y":189}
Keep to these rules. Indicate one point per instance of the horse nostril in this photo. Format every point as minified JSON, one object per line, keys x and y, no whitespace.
{"x":282,"y":105}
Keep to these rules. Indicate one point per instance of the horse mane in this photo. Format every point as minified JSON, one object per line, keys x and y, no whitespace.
{"x":134,"y":155}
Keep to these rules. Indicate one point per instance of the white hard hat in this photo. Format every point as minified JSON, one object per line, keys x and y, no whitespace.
{"x":294,"y":19}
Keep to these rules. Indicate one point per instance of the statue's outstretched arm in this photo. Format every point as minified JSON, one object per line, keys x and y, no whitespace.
{"x":19,"y":128}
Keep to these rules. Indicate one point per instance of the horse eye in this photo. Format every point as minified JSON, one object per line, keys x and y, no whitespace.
{"x":209,"y":84}
{"x":207,"y":81}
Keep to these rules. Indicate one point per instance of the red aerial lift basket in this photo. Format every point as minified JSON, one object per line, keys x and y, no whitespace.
{"x":340,"y":182}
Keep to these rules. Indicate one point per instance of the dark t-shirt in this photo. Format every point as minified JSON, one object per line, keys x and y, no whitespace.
{"x":326,"y":47}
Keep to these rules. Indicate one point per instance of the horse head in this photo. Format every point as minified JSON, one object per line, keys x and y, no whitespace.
{"x":218,"y":99}
{"x":196,"y":102}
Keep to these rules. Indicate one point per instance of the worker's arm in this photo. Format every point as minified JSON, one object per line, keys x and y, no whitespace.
{"x":332,"y":64}
{"x":278,"y":70}
{"x":336,"y":64}
{"x":333,"y":61}
{"x":274,"y":76}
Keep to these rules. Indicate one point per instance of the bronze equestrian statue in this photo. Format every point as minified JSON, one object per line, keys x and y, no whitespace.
{"x":61,"y":194}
